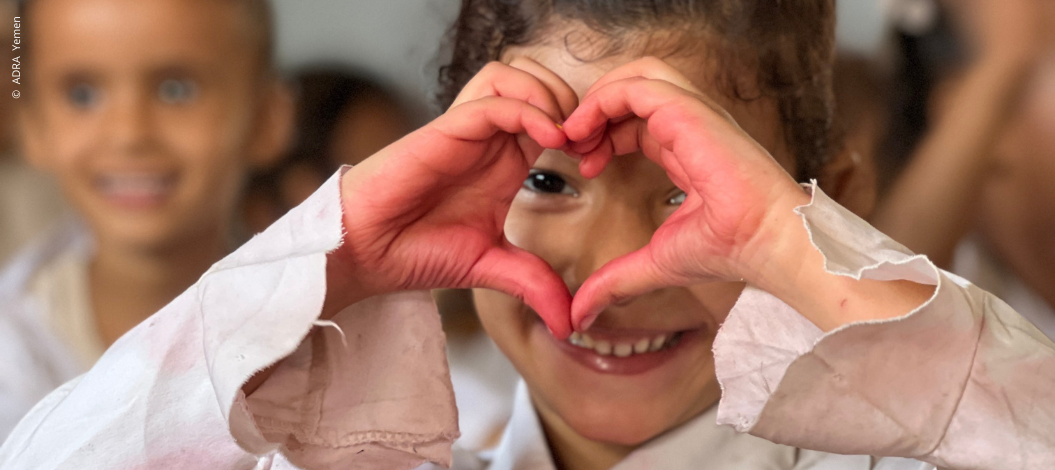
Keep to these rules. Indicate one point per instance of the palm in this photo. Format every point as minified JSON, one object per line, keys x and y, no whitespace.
{"x":428,"y":211}
{"x":445,"y":216}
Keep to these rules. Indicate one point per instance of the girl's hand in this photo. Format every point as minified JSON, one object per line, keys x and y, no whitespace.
{"x":738,"y":200}
{"x":429,"y":210}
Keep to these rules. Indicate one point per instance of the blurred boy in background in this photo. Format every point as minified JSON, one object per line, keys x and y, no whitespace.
{"x":149,"y":114}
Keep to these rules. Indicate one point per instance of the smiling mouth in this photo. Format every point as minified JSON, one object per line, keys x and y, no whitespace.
{"x":625,"y":352}
{"x":135,"y":191}
{"x":643,"y":345}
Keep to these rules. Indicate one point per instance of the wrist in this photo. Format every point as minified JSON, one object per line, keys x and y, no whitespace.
{"x":772,"y":251}
{"x":344,"y":287}
{"x":794,"y":270}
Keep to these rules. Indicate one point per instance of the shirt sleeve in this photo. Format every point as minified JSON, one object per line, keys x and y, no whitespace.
{"x":369,"y":389}
{"x":961,"y":382}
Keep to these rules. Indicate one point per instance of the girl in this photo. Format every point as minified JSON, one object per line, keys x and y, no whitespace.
{"x":649,"y":203}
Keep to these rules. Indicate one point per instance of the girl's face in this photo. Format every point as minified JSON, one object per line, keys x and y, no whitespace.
{"x":646,"y":364}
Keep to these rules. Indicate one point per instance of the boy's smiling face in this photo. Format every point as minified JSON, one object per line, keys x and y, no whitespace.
{"x":148,"y":112}
{"x":577,"y":226}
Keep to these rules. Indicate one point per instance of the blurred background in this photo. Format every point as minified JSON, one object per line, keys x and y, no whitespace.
{"x":947,"y":107}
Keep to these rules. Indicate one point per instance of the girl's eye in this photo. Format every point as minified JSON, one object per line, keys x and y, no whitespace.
{"x":174,"y":91}
{"x":677,"y":200}
{"x":83,"y":95}
{"x":548,"y":183}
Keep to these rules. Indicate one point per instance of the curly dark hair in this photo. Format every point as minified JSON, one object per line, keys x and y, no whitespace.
{"x":787,"y":45}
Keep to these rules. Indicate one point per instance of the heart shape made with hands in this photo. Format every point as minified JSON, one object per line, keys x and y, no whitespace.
{"x":429,"y":211}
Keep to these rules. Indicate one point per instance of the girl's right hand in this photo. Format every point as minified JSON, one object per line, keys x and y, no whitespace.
{"x":428,"y":211}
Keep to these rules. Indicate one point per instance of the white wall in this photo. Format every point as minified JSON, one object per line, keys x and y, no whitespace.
{"x":861,"y":24}
{"x":398,"y":39}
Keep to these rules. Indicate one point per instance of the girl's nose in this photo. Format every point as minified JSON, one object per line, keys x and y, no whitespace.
{"x":617,"y":230}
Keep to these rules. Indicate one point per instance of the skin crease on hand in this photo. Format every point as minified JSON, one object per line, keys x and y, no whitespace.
{"x":578,"y":225}
{"x":149,"y":114}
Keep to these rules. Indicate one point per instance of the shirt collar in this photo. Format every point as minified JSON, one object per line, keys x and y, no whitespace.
{"x":698,"y":444}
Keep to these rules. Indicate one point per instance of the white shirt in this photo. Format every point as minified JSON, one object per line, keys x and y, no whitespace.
{"x":700,"y":444}
{"x":961,"y":382}
{"x":47,"y":332}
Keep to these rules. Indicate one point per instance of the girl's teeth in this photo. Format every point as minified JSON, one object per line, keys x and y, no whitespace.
{"x":602,"y":347}
{"x":658,"y":342}
{"x":605,"y":348}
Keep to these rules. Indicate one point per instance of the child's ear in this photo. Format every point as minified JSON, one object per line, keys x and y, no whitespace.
{"x":274,"y":125}
{"x":31,"y":138}
{"x":850,"y":180}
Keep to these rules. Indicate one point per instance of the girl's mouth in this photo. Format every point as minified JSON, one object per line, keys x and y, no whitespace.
{"x":625,"y":352}
{"x":625,"y":349}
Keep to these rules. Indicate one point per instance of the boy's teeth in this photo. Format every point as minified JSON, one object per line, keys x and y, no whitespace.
{"x":135,"y":184}
{"x":605,"y":348}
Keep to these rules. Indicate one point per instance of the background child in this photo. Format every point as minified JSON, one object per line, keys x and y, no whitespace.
{"x":149,"y":114}
{"x":969,"y":147}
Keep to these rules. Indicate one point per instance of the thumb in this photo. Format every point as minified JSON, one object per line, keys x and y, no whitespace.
{"x":628,"y":276}
{"x":527,"y":277}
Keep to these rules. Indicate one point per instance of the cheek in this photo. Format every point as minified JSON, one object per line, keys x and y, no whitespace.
{"x":506,"y":321}
{"x":554,"y":237}
{"x":210,"y":141}
{"x":67,"y":139}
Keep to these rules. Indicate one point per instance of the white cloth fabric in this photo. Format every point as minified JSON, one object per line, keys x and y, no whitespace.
{"x":962,"y":382}
{"x":47,"y":334}
{"x":484,"y":384}
{"x":979,"y":265}
{"x":700,"y":444}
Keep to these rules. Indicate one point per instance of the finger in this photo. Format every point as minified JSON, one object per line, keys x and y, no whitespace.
{"x":565,"y":95}
{"x":636,"y":96}
{"x":645,"y":67}
{"x":527,"y":277}
{"x":498,"y":79}
{"x":627,"y":137}
{"x":622,"y":278}
{"x":481,"y":119}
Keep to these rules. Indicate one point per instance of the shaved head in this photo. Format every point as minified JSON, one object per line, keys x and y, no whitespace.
{"x":255,"y":15}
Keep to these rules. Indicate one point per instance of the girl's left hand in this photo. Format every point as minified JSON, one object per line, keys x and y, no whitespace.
{"x":739,"y":200}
